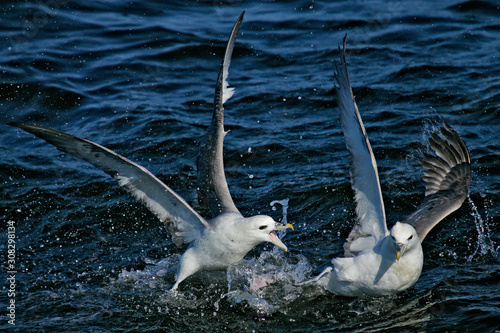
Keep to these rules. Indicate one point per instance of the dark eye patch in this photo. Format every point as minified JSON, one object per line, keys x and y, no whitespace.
{"x":409,"y":238}
{"x":262,"y":227}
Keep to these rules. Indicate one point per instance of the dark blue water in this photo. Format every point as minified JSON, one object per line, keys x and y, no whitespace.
{"x":138,"y":77}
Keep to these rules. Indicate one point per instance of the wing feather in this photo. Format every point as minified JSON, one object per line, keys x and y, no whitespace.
{"x":446,"y":192}
{"x":183,"y":222}
{"x":212,"y":185}
{"x":370,"y":226}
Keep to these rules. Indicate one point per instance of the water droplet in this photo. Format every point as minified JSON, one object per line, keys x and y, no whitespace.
{"x":484,"y":242}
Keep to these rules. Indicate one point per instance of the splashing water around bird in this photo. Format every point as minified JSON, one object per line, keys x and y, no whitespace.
{"x":484,"y":243}
{"x":284,"y":205}
{"x":271,"y":281}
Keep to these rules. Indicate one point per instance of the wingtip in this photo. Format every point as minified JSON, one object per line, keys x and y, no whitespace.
{"x":343,"y":50}
{"x":342,"y":57}
{"x":14,"y":124}
{"x":222,"y":90}
{"x":450,"y":152}
{"x":456,"y":141}
{"x":25,"y":126}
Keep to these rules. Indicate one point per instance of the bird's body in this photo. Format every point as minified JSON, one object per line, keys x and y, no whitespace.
{"x":224,"y":244}
{"x":382,"y":273}
{"x":379,"y":261}
{"x":216,"y":244}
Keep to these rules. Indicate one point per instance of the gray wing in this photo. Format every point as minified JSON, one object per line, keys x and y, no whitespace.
{"x":370,"y":226}
{"x":212,"y":184}
{"x":184,"y":224}
{"x":447,"y":177}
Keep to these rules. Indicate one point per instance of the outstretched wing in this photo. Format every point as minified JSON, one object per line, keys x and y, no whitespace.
{"x":212,"y":184}
{"x":447,"y":177}
{"x":370,"y":226}
{"x":184,"y":224}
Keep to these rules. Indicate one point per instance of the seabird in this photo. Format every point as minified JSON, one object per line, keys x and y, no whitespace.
{"x":216,"y":244}
{"x":378,"y":261}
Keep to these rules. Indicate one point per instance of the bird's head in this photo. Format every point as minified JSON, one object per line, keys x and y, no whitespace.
{"x":405,"y":238}
{"x":263,"y":229}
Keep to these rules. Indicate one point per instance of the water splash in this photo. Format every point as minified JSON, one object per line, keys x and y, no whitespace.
{"x":484,"y":243}
{"x":284,"y":220}
{"x":153,"y":275}
{"x":267,"y":284}
{"x":284,"y":204}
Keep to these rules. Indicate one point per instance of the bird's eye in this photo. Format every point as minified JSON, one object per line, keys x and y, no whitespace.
{"x":409,"y":238}
{"x":262,"y":227}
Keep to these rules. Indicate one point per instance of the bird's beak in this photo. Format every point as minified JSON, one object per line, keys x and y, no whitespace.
{"x":281,"y":226}
{"x":275,"y":239}
{"x":400,"y":250}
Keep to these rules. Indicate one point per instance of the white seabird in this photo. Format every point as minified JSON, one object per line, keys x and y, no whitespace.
{"x":213,"y":245}
{"x":379,"y":261}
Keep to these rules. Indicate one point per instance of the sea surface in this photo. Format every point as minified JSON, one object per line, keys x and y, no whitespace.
{"x":138,"y":77}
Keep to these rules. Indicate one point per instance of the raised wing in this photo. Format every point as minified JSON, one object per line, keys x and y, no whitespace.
{"x":370,"y":226}
{"x":447,"y":177}
{"x":184,"y":224}
{"x":212,"y":184}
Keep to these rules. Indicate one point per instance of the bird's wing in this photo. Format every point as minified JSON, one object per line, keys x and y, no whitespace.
{"x":447,"y":177}
{"x":212,"y":184}
{"x":370,"y":226}
{"x":184,"y":224}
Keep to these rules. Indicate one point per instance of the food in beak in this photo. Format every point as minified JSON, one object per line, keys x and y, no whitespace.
{"x":281,"y":226}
